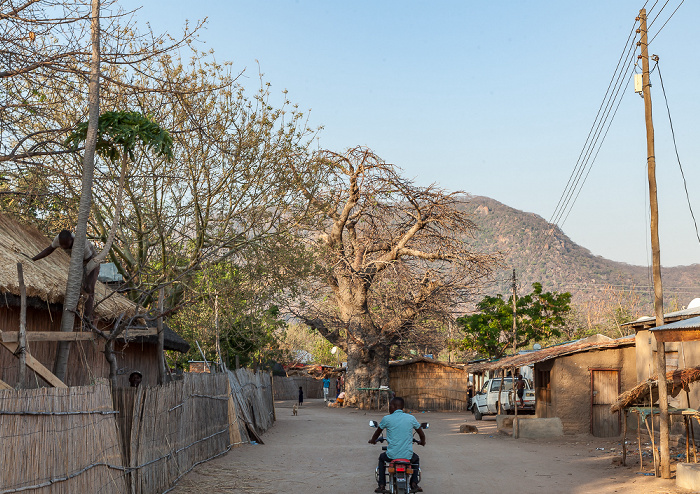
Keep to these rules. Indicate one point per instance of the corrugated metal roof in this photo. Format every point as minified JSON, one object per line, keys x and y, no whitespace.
{"x":692,"y":323}
{"x":548,"y":353}
{"x":679,"y":314}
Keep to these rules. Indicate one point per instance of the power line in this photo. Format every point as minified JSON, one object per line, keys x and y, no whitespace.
{"x":664,"y":25}
{"x":575,"y":174}
{"x":675,"y":147}
{"x":657,"y":15}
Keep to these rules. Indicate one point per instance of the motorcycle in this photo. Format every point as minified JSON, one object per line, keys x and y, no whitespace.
{"x":399,"y":471}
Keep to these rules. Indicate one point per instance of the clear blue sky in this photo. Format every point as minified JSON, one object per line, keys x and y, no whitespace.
{"x":493,"y":98}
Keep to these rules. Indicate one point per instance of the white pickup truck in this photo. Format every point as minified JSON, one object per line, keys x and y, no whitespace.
{"x":485,"y":401}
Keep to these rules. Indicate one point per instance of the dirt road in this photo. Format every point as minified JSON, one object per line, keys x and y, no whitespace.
{"x":325,"y":450}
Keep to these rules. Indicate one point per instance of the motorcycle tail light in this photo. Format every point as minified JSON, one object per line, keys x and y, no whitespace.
{"x":400,"y":469}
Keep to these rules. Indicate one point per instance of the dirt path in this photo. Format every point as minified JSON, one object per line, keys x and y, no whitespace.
{"x":325,"y":450}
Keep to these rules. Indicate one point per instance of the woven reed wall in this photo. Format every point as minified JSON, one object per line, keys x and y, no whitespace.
{"x":174,"y":427}
{"x":48,"y":445}
{"x":428,"y":386}
{"x":158,"y":436}
{"x":86,"y":363}
{"x":287,"y":388}
{"x":252,"y":393}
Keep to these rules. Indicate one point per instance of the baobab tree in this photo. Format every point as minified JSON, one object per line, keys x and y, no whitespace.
{"x":392,"y":255}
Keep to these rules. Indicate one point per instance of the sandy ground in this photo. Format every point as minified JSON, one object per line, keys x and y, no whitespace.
{"x":326,"y":450}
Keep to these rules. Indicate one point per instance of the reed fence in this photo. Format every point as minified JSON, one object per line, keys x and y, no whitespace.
{"x":287,"y":388}
{"x":133,"y":440}
{"x":59,"y":441}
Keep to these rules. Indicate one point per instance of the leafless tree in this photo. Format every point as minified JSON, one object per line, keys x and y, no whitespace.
{"x":394,"y":256}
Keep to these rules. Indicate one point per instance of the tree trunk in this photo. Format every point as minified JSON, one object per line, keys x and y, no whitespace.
{"x":75,"y":272}
{"x":368,"y":367}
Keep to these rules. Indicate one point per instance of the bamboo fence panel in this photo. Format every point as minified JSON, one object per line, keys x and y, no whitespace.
{"x":175,"y":427}
{"x":287,"y":388}
{"x":252,"y":394}
{"x":59,"y":441}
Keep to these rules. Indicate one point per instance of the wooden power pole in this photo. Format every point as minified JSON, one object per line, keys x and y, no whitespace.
{"x":515,"y":339}
{"x":656,"y":252}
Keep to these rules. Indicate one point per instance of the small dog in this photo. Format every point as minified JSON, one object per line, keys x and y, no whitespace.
{"x":295,"y":409}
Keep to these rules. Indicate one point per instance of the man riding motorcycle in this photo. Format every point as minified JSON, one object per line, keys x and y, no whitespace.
{"x":399,"y":433}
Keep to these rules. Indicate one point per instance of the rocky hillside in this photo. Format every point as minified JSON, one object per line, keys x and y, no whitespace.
{"x":541,"y":252}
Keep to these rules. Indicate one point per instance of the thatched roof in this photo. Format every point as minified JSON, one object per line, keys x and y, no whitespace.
{"x":399,"y":363}
{"x":676,"y":381}
{"x":597,"y":342}
{"x":46,"y":278}
{"x":171,"y":340}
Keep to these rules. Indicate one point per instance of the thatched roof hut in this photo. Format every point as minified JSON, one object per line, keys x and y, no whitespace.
{"x":46,"y":278}
{"x":428,"y":384}
{"x":45,"y":282}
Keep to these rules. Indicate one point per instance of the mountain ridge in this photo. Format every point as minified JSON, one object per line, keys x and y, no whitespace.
{"x":541,"y":252}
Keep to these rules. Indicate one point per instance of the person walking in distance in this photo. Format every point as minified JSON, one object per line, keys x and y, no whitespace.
{"x":301,"y":396}
{"x":326,"y":388}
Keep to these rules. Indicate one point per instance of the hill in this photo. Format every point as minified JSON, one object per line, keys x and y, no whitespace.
{"x":540,"y":251}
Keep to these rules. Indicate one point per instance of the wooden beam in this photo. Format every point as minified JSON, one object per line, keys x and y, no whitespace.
{"x":13,"y":336}
{"x":674,"y":335}
{"x":4,"y":385}
{"x":36,"y":366}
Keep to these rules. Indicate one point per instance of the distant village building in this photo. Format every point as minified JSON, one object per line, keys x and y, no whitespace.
{"x":679,"y":354}
{"x":427,"y":384}
{"x":578,"y":381}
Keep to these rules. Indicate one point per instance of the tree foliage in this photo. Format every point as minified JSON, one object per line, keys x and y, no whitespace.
{"x":539,"y":315}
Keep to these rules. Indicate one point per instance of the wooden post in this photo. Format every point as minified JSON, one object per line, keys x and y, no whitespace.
{"x":216,"y":327}
{"x":22,"y":328}
{"x":639,"y":441}
{"x":686,"y":419}
{"x":515,"y":340}
{"x":655,"y":250}
{"x":624,"y":436}
{"x":161,"y":339}
{"x":651,"y":432}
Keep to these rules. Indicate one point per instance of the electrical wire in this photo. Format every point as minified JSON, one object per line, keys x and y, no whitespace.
{"x":575,"y":172}
{"x":664,"y":25}
{"x":657,"y":15}
{"x":675,"y":147}
{"x":596,"y":156}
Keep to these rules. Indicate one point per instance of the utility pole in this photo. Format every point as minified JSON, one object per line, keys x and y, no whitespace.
{"x":515,"y":339}
{"x":655,"y":249}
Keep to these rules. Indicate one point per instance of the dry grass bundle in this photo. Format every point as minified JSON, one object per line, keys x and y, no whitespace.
{"x":45,"y":441}
{"x":46,"y":279}
{"x":677,"y":380}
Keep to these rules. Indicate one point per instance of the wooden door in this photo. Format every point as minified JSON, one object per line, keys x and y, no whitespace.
{"x":605,"y":387}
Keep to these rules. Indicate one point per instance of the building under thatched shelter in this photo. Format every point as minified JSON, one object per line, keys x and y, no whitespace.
{"x":428,"y":384}
{"x":578,"y":381}
{"x":679,"y":354}
{"x":647,"y":392}
{"x":45,"y":282}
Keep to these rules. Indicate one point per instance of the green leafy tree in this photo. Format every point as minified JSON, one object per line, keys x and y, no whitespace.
{"x":539,"y":316}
